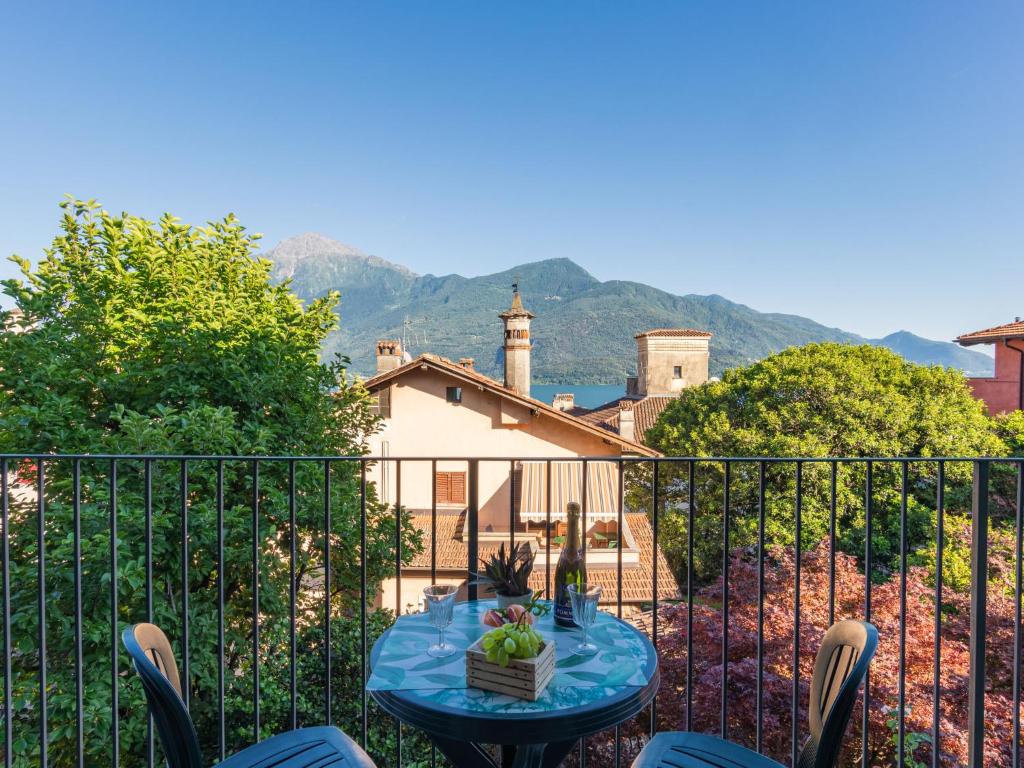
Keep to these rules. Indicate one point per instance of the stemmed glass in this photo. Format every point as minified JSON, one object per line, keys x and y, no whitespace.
{"x":584,"y":599}
{"x":440,"y":603}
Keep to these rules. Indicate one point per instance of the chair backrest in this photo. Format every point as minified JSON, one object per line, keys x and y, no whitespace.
{"x":839,"y":669}
{"x":153,"y":659}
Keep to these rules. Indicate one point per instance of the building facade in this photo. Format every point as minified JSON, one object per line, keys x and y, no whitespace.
{"x":1003,"y":392}
{"x":452,"y":426}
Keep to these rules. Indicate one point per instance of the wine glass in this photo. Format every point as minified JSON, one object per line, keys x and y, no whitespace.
{"x":584,"y":599}
{"x":440,"y":603}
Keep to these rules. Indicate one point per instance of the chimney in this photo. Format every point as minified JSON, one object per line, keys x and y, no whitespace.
{"x":627,"y":421}
{"x":389,"y":355}
{"x":517,"y":344}
{"x":564,"y":401}
{"x":467,"y":363}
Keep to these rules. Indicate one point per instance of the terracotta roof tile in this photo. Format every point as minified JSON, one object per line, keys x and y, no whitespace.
{"x":646,"y":411}
{"x":637,"y":580}
{"x":1014,"y":330}
{"x":494,"y":385}
{"x":690,"y":333}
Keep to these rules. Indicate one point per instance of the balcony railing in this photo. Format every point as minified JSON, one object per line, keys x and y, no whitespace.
{"x":266,"y":574}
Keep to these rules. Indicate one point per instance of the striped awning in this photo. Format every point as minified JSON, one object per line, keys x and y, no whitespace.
{"x":566,"y":486}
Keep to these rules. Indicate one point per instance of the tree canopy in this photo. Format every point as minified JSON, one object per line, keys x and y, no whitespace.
{"x":134,"y":337}
{"x":829,"y":400}
{"x":820,"y":400}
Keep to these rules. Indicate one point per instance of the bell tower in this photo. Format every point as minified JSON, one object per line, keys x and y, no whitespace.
{"x":517,"y":344}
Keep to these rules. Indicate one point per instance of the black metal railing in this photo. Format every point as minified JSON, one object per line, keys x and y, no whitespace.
{"x":286,"y":587}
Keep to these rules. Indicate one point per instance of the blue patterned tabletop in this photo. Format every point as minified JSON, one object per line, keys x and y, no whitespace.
{"x":625,"y":659}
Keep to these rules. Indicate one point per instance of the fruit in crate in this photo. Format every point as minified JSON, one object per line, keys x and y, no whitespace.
{"x":511,"y":641}
{"x":514,"y":614}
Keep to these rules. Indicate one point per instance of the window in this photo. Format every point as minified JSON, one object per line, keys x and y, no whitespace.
{"x":381,"y":403}
{"x":450,"y":487}
{"x":677,"y":372}
{"x":453,"y":394}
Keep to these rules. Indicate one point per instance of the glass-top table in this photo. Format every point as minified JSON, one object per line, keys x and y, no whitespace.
{"x":587,"y":695}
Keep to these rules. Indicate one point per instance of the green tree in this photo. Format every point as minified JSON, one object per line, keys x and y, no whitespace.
{"x":169,"y":339}
{"x":819,"y":400}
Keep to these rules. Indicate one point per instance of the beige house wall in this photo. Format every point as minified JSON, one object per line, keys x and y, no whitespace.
{"x":484,"y":424}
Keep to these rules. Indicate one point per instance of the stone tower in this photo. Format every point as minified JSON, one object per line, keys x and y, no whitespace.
{"x":669,"y":360}
{"x":517,"y":344}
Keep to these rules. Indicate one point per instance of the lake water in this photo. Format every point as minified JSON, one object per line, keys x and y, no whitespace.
{"x":587,"y":395}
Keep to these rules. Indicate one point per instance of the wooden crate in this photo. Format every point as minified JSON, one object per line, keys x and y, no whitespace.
{"x":522,"y":678}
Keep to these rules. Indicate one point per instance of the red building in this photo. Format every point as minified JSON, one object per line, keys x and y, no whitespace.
{"x":1003,"y":392}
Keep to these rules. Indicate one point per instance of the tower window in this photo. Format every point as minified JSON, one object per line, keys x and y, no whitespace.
{"x":677,"y":372}
{"x":453,"y":394}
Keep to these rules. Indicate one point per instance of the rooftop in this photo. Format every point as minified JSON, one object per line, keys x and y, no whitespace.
{"x":1014,"y":330}
{"x":690,"y":333}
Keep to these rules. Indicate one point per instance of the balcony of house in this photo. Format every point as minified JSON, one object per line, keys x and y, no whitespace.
{"x":275,"y":579}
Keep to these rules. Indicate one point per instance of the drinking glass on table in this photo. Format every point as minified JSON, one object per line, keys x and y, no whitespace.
{"x":584,"y":599}
{"x":440,"y":603}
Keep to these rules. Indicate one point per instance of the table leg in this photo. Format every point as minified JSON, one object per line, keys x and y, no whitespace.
{"x":466,"y":754}
{"x":557,"y":751}
{"x":463,"y":754}
{"x":529,"y":756}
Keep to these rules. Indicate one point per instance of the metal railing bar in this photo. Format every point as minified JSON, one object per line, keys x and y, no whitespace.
{"x":221,"y":726}
{"x":1018,"y":577}
{"x":4,"y":514}
{"x":726,"y":482}
{"x":868,"y":494}
{"x":832,"y":544}
{"x":398,"y":583}
{"x":76,"y":504}
{"x":940,"y":513}
{"x":630,"y":459}
{"x":256,"y":601}
{"x":798,"y":533}
{"x":362,"y":600}
{"x":147,"y":504}
{"x":511,"y":504}
{"x":115,"y":713}
{"x":328,"y":665}
{"x":186,"y":678}
{"x":293,"y":679}
{"x":901,"y":735}
{"x":979,"y":602}
{"x":656,"y":504}
{"x":44,"y":736}
{"x":471,"y":524}
{"x":547,"y":523}
{"x":620,"y":502}
{"x":433,"y":530}
{"x":759,"y":727}
{"x":691,"y":495}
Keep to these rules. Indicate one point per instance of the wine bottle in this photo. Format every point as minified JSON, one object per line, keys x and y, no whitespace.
{"x":571,"y":568}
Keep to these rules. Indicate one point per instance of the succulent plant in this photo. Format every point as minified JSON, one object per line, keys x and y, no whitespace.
{"x":508,"y":571}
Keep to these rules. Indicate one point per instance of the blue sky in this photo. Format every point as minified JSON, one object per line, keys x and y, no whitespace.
{"x":858,"y":163}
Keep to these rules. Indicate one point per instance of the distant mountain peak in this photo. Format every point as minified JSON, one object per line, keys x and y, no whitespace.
{"x":583,"y":332}
{"x":313,"y":246}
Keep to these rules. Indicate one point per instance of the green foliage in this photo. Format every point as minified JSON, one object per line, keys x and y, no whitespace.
{"x":139,"y":338}
{"x":820,"y":400}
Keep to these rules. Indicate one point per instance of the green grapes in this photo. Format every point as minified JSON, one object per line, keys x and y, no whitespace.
{"x":511,"y":641}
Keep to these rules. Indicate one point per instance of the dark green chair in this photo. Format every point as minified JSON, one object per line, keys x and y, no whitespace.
{"x":153,"y":659}
{"x":839,"y":669}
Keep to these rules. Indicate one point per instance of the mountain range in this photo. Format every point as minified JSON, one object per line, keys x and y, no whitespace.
{"x":583,"y":332}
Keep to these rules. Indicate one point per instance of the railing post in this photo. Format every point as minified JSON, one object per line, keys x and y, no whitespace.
{"x":979,"y":582}
{"x":472,"y":524}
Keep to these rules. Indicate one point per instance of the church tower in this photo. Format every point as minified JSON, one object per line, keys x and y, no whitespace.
{"x":517,"y":344}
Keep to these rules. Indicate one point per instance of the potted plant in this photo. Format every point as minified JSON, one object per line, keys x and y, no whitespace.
{"x":508,"y":574}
